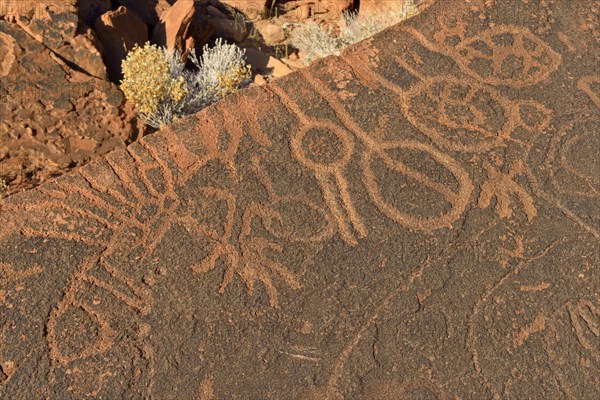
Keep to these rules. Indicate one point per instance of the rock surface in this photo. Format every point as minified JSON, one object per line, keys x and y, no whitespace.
{"x":87,"y":10}
{"x":322,"y":11}
{"x":265,"y":64}
{"x":379,"y":6}
{"x":416,"y":219}
{"x":271,"y":33}
{"x":250,"y":8}
{"x":183,"y":26}
{"x":119,"y":31}
{"x":147,"y":10}
{"x":225,"y":27}
{"x":53,"y":118}
{"x":59,"y":32}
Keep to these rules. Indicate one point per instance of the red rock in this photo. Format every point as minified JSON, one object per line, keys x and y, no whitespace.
{"x":163,"y":5}
{"x":250,"y":8}
{"x":12,"y":9}
{"x":82,"y":149}
{"x":183,"y":20}
{"x":378,"y":6}
{"x":270,"y":32}
{"x":147,"y":10}
{"x":225,"y":27}
{"x":321,"y":11}
{"x":333,"y":6}
{"x":87,"y":53}
{"x":260,"y":80}
{"x":323,"y":237}
{"x":89,"y":10}
{"x":119,"y":31}
{"x":265,"y":64}
{"x":44,"y":104}
{"x":7,"y":53}
{"x":60,"y":33}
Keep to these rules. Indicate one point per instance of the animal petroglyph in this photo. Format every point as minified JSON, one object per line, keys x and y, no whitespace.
{"x":417,"y":217}
{"x":501,"y":186}
{"x":507,"y":55}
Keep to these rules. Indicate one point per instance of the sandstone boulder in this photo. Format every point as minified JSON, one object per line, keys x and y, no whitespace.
{"x":183,"y":26}
{"x":119,"y":31}
{"x":147,"y":10}
{"x":265,"y":64}
{"x":271,"y":33}
{"x":228,"y":28}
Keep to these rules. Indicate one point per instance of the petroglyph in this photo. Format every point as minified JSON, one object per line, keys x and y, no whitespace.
{"x":9,"y":275}
{"x":585,"y":319}
{"x":456,"y":113}
{"x":329,"y":172}
{"x":250,"y":262}
{"x":501,"y":186}
{"x":416,"y":218}
{"x":590,"y":85}
{"x":472,"y":117}
{"x":332,"y":172}
{"x":507,"y":55}
{"x":567,"y":174}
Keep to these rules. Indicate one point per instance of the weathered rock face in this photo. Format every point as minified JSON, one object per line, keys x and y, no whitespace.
{"x":319,"y":10}
{"x":250,"y":8}
{"x":59,"y":32}
{"x":147,"y":10}
{"x":53,"y":117}
{"x":225,"y":27}
{"x":378,"y":6}
{"x":265,"y":64}
{"x":418,"y":218}
{"x":87,"y":10}
{"x":119,"y":31}
{"x":183,"y":26}
{"x":271,"y":33}
{"x":11,"y":9}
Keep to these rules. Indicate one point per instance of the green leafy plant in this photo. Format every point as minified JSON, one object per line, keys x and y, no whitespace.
{"x":162,"y":89}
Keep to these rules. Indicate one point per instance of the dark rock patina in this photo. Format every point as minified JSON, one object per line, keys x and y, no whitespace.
{"x":418,"y":218}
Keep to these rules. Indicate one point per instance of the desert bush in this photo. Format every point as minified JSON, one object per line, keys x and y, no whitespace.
{"x":149,"y":84}
{"x":162,"y":89}
{"x":221,"y":70}
{"x":316,"y":42}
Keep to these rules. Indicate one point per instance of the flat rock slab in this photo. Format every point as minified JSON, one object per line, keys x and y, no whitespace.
{"x":418,"y":218}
